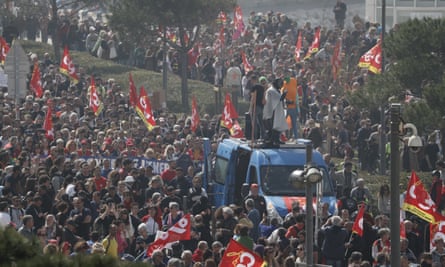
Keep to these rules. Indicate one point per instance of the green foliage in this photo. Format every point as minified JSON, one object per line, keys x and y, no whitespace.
{"x":420,"y":114}
{"x":378,"y":90}
{"x":18,"y":251}
{"x":415,"y":54}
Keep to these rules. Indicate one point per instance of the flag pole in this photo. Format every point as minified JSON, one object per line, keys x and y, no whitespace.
{"x":253,"y":119}
{"x":349,"y":242}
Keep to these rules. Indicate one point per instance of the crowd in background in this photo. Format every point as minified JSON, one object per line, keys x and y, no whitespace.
{"x":81,"y":192}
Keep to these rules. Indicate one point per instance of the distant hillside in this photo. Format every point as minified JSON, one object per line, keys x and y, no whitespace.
{"x":152,"y":81}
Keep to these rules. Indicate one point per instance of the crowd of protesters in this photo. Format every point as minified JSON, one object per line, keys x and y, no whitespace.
{"x":82,"y":192}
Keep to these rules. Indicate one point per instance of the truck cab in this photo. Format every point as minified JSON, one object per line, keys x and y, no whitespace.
{"x":238,"y":165}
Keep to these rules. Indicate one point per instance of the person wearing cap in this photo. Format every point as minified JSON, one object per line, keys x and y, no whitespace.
{"x":170,"y":197}
{"x":345,"y":179}
{"x":439,"y":247}
{"x":257,"y":105}
{"x":259,"y":201}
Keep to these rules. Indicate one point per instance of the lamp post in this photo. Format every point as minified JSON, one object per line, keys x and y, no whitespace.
{"x":308,"y":177}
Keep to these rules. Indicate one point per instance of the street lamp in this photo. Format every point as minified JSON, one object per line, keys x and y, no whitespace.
{"x":308,"y":177}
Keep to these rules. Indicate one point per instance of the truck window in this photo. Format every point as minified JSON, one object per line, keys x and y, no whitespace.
{"x":253,"y":179}
{"x":275,"y":181}
{"x":221,"y":169}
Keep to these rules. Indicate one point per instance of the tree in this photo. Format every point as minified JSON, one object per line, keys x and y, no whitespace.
{"x":415,"y":57}
{"x":184,"y":17}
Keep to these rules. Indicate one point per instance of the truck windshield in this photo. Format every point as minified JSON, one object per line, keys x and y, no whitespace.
{"x":275,"y":181}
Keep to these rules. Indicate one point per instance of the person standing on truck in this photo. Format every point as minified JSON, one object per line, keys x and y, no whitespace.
{"x":273,"y":114}
{"x":257,"y":105}
{"x":259,"y":201}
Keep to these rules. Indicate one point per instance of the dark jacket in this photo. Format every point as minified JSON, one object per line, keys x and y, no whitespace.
{"x":333,"y":247}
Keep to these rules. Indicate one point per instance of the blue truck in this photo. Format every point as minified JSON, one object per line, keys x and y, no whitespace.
{"x":237,"y":165}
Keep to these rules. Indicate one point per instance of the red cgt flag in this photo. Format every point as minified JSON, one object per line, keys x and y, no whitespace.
{"x":195,"y":115}
{"x":179,"y":231}
{"x":67,"y":66}
{"x":36,"y":82}
{"x":48,"y":125}
{"x":238,"y":23}
{"x":372,"y":59}
{"x":298,"y":47}
{"x":358,"y":223}
{"x":143,"y":109}
{"x":315,"y":44}
{"x":419,"y":202}
{"x":229,"y":113}
{"x":132,"y":94}
{"x":95,"y":103}
{"x":4,"y":49}
{"x":238,"y":255}
{"x":246,"y":64}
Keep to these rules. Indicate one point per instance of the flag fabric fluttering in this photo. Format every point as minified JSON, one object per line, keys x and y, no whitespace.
{"x":229,"y":118}
{"x":48,"y":125}
{"x":336,"y":59}
{"x":35,"y":84}
{"x":357,"y":227}
{"x":419,"y":202}
{"x":143,"y":109}
{"x":4,"y":49}
{"x":67,"y":66}
{"x":238,"y":255}
{"x":195,"y":115}
{"x":132,"y":94}
{"x":246,"y":64}
{"x":297,"y":52}
{"x":315,"y":44}
{"x":238,"y":23}
{"x":95,"y":103}
{"x":178,"y":232}
{"x":372,"y":59}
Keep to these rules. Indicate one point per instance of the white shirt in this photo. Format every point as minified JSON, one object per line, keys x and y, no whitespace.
{"x":5,"y":219}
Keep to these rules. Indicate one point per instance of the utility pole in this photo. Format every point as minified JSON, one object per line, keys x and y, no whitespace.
{"x":395,"y":187}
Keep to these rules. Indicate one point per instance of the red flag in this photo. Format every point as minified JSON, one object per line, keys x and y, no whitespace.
{"x":437,"y":231}
{"x":229,"y":113}
{"x":95,"y":103}
{"x":236,"y":131}
{"x":229,"y":119}
{"x":247,"y":66}
{"x":315,"y":44}
{"x":418,"y":201}
{"x":133,"y":97}
{"x":195,"y":115}
{"x":336,"y":59}
{"x":238,"y":255}
{"x":298,"y":47}
{"x":67,"y":66}
{"x":358,"y":223}
{"x":376,"y":61}
{"x":4,"y":48}
{"x":179,"y":231}
{"x":143,"y":109}
{"x":372,"y":59}
{"x":238,"y":23}
{"x":48,"y":125}
{"x":36,"y":83}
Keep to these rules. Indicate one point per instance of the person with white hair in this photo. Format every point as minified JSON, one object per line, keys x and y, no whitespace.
{"x":335,"y":242}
